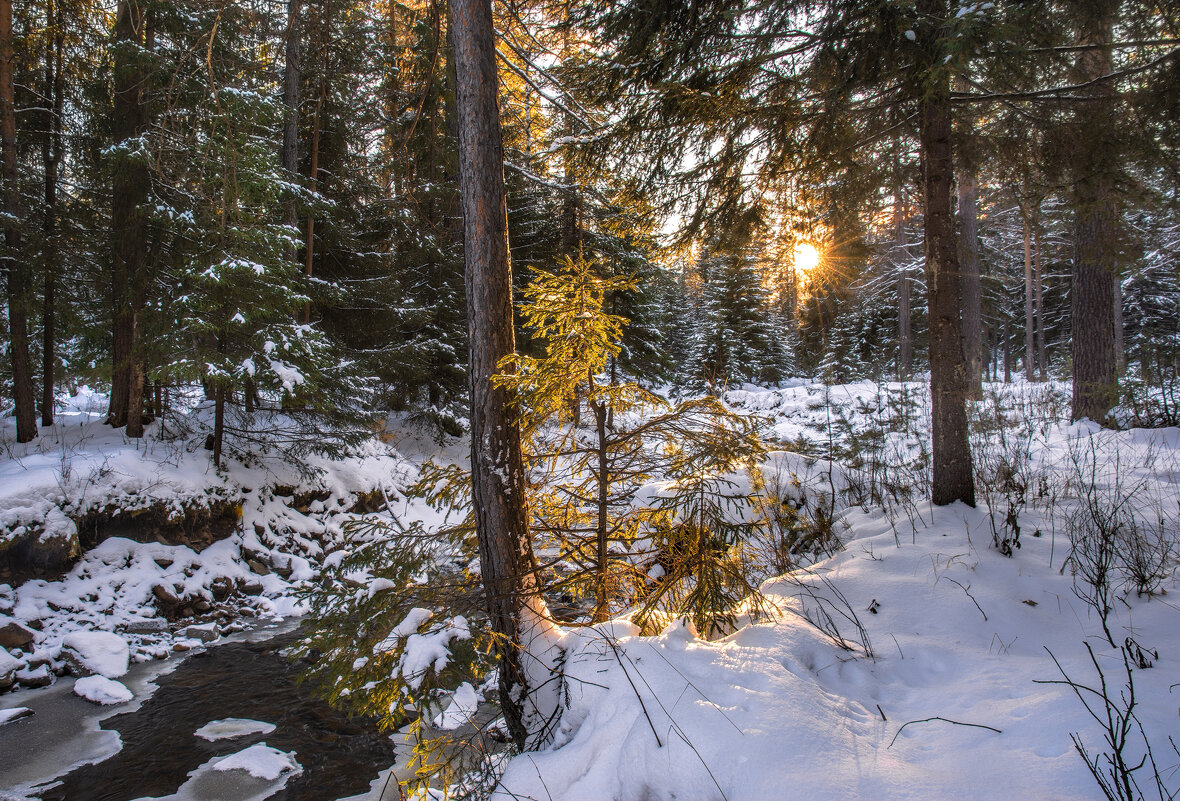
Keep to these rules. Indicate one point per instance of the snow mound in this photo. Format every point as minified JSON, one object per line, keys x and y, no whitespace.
{"x":232,"y":728}
{"x":262,"y":762}
{"x":100,"y":652}
{"x":16,"y":713}
{"x":464,"y":703}
{"x":101,"y":690}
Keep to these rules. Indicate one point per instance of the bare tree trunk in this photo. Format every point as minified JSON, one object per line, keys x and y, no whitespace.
{"x":129,"y":187}
{"x":905,"y":336}
{"x":602,"y":590}
{"x":497,"y":465}
{"x":1007,"y":353}
{"x":291,"y":81}
{"x":1039,"y":280}
{"x":51,"y":156}
{"x":1095,"y":378}
{"x":952,"y":471}
{"x":972,"y":293}
{"x":1029,"y":315}
{"x":1116,"y":300}
{"x":17,"y":268}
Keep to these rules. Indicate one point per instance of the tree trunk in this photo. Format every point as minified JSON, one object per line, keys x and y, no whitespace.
{"x":1116,"y":301}
{"x":218,"y":423}
{"x":497,"y":465}
{"x":291,"y":80}
{"x":1095,"y":156}
{"x":905,"y":336}
{"x":972,"y":293}
{"x":1029,"y":313}
{"x":952,"y":473}
{"x":601,"y":590}
{"x":17,"y":267}
{"x":51,"y":156}
{"x":129,"y":190}
{"x":1039,"y":286}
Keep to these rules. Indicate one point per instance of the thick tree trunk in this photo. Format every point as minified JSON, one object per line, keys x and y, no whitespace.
{"x":497,"y":465}
{"x":948,"y":367}
{"x":1029,"y":307}
{"x":51,"y":154}
{"x":972,"y":294}
{"x":129,"y":189}
{"x":1095,"y":379}
{"x":16,"y":266}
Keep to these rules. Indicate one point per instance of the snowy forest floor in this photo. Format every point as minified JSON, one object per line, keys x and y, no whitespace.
{"x":917,"y":662}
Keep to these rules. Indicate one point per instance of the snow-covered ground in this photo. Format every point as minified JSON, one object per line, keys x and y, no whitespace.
{"x":947,"y":681}
{"x":935,"y":678}
{"x":286,"y":515}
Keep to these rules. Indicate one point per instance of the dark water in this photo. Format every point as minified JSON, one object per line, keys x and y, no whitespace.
{"x":340,"y":757}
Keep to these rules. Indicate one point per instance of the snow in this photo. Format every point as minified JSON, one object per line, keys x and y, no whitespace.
{"x":14,"y":713}
{"x":80,"y":466}
{"x":261,"y":761}
{"x":464,"y":703}
{"x":101,"y":690}
{"x":232,"y":728}
{"x":430,"y":650}
{"x":100,"y":652}
{"x":948,"y":691}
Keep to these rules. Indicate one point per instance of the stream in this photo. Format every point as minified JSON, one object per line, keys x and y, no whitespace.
{"x":161,"y":756}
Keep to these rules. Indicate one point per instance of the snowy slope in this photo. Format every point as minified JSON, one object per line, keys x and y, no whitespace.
{"x":777,"y":711}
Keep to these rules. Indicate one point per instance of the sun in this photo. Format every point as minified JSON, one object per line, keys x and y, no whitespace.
{"x":806,"y":257}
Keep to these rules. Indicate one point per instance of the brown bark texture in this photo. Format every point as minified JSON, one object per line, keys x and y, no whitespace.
{"x":1095,"y":264}
{"x":129,"y":191}
{"x":952,"y":470}
{"x":497,"y":465}
{"x":972,"y":293}
{"x":14,"y":262}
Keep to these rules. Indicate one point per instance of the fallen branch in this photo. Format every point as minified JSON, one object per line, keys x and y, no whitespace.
{"x":944,"y":720}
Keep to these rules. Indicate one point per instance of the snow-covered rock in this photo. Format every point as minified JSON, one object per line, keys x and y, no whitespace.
{"x":262,"y":762}
{"x":100,"y":652}
{"x":101,"y":690}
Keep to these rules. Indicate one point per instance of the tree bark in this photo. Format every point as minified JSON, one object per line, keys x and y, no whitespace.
{"x":51,"y":156}
{"x":497,"y":465}
{"x":952,"y":471}
{"x":1095,"y":156}
{"x":972,"y":293}
{"x":1029,"y":308}
{"x":291,"y":81}
{"x":16,"y":264}
{"x":129,"y":191}
{"x":1039,"y":286}
{"x":905,"y":336}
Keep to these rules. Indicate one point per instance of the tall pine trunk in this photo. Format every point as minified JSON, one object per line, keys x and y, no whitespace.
{"x":291,"y":81}
{"x":15,"y":264}
{"x":952,"y":472}
{"x":1039,"y":298}
{"x":1095,"y":378}
{"x":1029,"y":303}
{"x":972,"y":292}
{"x":497,"y":464}
{"x":129,"y":192}
{"x":905,"y":336}
{"x":51,"y":155}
